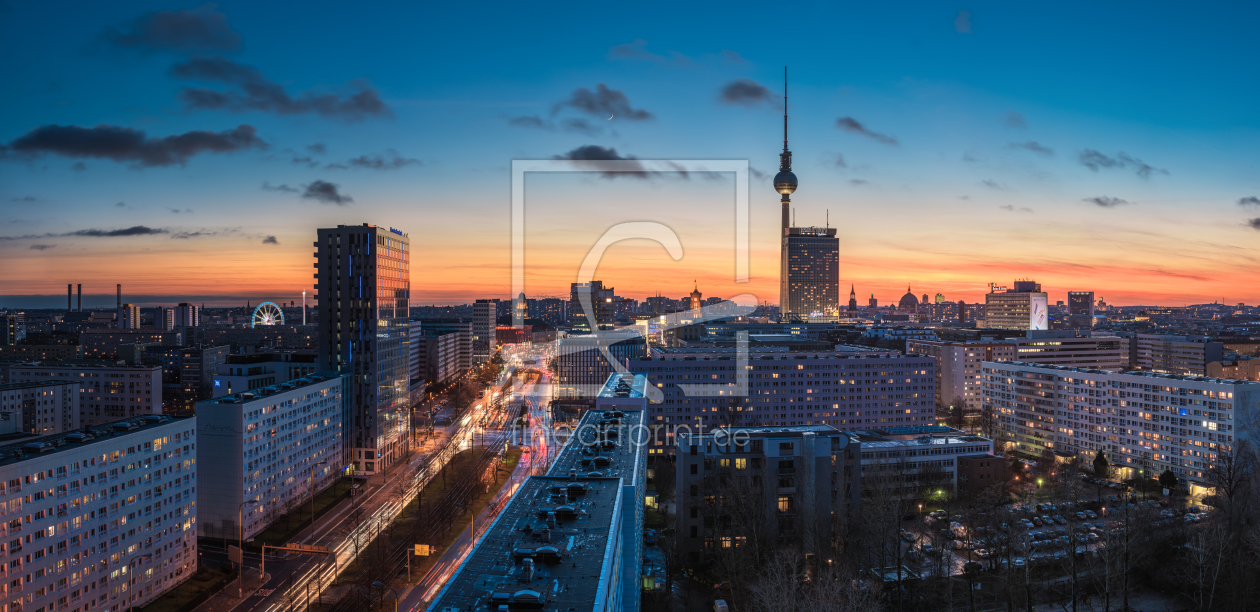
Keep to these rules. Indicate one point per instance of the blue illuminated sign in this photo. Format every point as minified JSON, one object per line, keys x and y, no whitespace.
{"x":396,"y":231}
{"x":216,"y":383}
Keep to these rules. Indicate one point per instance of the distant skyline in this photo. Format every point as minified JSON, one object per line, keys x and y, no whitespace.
{"x":193,"y":150}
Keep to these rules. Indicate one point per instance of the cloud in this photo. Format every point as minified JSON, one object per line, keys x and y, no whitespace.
{"x":602,"y":101}
{"x":1095,"y":161}
{"x":851,"y":125}
{"x":270,"y":240}
{"x":328,"y":193}
{"x":1032,"y":145}
{"x":307,"y":161}
{"x":178,"y":211}
{"x":964,"y":197}
{"x":587,"y":153}
{"x":1011,"y":208}
{"x":317,"y":148}
{"x":202,"y":29}
{"x":258,"y":93}
{"x":527,"y":121}
{"x":637,"y":50}
{"x":859,"y":182}
{"x":1254,"y":223}
{"x":1106,"y":201}
{"x":123,"y":144}
{"x":120,"y":205}
{"x":579,"y":125}
{"x":747,"y":92}
{"x":188,"y":235}
{"x":285,"y":188}
{"x":992,"y":184}
{"x":838,"y":161}
{"x":757,"y":174}
{"x":79,"y":167}
{"x":733,"y":57}
{"x":1249,"y":201}
{"x":42,"y":247}
{"x":33,"y":199}
{"x":962,"y":23}
{"x":390,"y":161}
{"x":135,"y":230}
{"x":1015,"y":120}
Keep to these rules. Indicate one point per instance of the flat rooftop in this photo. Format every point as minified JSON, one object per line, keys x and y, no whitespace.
{"x":262,"y":393}
{"x":33,"y":384}
{"x":1141,"y":373}
{"x":624,"y":385}
{"x":31,"y":447}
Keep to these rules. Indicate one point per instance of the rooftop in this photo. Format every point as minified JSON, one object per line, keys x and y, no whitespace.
{"x":264,"y":392}
{"x":34,"y":384}
{"x":31,"y":447}
{"x":1141,"y":373}
{"x":624,"y":385}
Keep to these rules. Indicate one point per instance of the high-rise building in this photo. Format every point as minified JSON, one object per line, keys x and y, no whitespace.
{"x":58,"y":563}
{"x":187,"y":315}
{"x":12,"y":329}
{"x":1140,"y":420}
{"x":1172,"y":354}
{"x":164,"y":318}
{"x":39,"y":407}
{"x":552,"y":311}
{"x":958,"y":366}
{"x":485,"y":313}
{"x":1023,"y":306}
{"x":809,"y":286}
{"x":106,"y":392}
{"x":1080,"y":309}
{"x":940,"y":298}
{"x":129,"y":317}
{"x":363,"y":290}
{"x":872,"y":304}
{"x":600,"y":298}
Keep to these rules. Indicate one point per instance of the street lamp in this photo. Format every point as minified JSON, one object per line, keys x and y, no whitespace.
{"x":240,"y":541}
{"x":382,"y":585}
{"x":131,"y":580}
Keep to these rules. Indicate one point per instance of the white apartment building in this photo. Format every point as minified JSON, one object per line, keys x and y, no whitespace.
{"x":845,"y":388}
{"x":1174,"y":354}
{"x":1141,"y":420}
{"x":274,"y":445}
{"x":958,"y":366}
{"x":917,"y":459}
{"x":106,"y":392}
{"x":101,"y":518}
{"x":44,"y":408}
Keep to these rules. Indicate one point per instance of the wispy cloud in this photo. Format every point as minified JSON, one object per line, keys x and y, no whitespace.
{"x":1095,"y":160}
{"x":1014,"y":120}
{"x":178,"y":211}
{"x":1032,"y":145}
{"x":391,"y":160}
{"x":637,"y":50}
{"x":123,"y":144}
{"x":749,"y":93}
{"x":962,"y":22}
{"x":1106,"y":201}
{"x":1012,"y":208}
{"x":285,"y":188}
{"x":1249,"y":201}
{"x":853,"y":126}
{"x":202,"y":29}
{"x":992,"y":184}
{"x":255,"y":92}
{"x":42,"y":247}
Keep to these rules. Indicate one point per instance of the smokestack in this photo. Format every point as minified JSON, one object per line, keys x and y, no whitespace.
{"x":69,"y":297}
{"x":120,"y":295}
{"x":80,"y":309}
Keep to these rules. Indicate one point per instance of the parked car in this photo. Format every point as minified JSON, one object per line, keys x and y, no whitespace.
{"x":907,"y":536}
{"x":928,"y":549}
{"x":983,"y":553}
{"x":649,"y":536}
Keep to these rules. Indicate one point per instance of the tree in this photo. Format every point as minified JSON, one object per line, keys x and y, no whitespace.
{"x":957,"y":412}
{"x":1168,"y":479}
{"x":1100,"y":464}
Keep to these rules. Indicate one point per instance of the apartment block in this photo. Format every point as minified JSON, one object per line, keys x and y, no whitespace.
{"x":1173,"y":354}
{"x":958,"y":366}
{"x":1142,"y":420}
{"x":849,"y":387}
{"x":42,"y":407}
{"x":797,"y":481}
{"x":277,"y":445}
{"x":104,"y":343}
{"x":917,"y":462}
{"x":582,"y":366}
{"x":106,"y":392}
{"x":110,"y":512}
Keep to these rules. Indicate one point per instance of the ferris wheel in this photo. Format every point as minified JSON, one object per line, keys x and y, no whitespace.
{"x":267,"y":313}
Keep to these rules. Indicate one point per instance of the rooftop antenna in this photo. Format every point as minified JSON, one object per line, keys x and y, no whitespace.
{"x":828,"y":218}
{"x":785,"y":147}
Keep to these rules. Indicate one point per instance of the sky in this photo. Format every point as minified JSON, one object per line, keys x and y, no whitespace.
{"x":190,"y":151}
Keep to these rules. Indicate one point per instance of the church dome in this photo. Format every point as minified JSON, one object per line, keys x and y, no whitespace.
{"x":908,"y":301}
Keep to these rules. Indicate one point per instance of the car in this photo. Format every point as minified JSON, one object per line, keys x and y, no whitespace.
{"x":1060,"y":520}
{"x":928,"y":549}
{"x":913,"y":556}
{"x":1193,"y":509}
{"x":649,"y":536}
{"x":1091,"y":514}
{"x":907,"y":536}
{"x":1037,"y":522}
{"x":972,"y":567}
{"x":1018,"y":562}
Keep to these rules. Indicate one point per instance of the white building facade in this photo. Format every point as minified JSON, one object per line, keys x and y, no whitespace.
{"x":106,"y":392}
{"x":44,"y":408}
{"x":274,"y":445}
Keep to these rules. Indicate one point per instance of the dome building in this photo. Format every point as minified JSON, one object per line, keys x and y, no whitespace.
{"x":908,"y":302}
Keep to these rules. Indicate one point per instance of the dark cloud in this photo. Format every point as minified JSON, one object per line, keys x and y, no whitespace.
{"x":962,"y":22}
{"x":1014,"y":120}
{"x":589,"y":153}
{"x":1106,"y":201}
{"x":120,"y":204}
{"x":178,"y":211}
{"x":747,"y":92}
{"x":851,"y":125}
{"x":79,"y":167}
{"x":1254,"y":223}
{"x":1095,"y":160}
{"x":195,"y":30}
{"x":136,"y":230}
{"x":258,"y":93}
{"x":188,"y":235}
{"x":858,"y":182}
{"x":328,"y":193}
{"x":992,"y":184}
{"x":1032,"y":145}
{"x":390,"y":161}
{"x":603,"y":101}
{"x":1249,"y":201}
{"x":42,"y":247}
{"x":637,"y":50}
{"x":317,"y":148}
{"x":307,"y":161}
{"x":964,"y":197}
{"x":285,"y":188}
{"x":270,"y":240}
{"x":131,"y":145}
{"x":35,"y":199}
{"x":757,"y":174}
{"x":527,"y":121}
{"x":579,"y":125}
{"x":1010,"y":208}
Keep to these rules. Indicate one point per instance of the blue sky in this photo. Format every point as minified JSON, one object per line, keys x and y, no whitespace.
{"x":973,"y":162}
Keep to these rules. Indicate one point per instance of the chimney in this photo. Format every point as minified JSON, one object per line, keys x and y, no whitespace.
{"x":69,"y":297}
{"x":80,"y":309}
{"x":120,"y":295}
